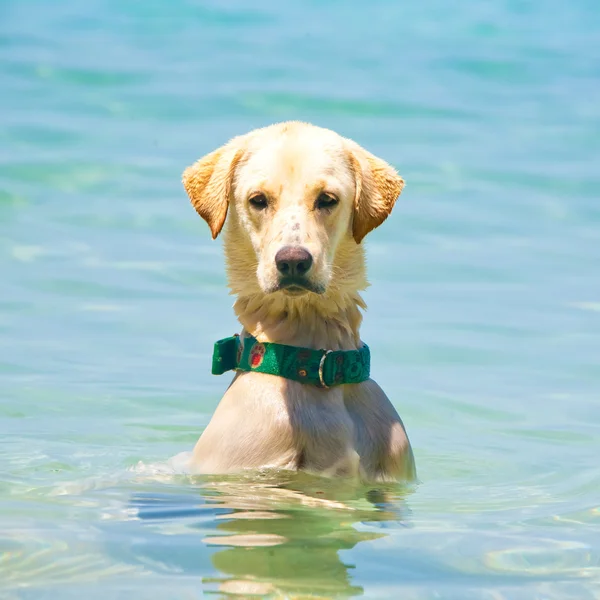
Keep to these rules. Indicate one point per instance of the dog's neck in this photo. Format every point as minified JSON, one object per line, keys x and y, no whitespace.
{"x":329,"y":321}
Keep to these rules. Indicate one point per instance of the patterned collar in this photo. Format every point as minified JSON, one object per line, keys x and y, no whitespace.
{"x":322,"y":368}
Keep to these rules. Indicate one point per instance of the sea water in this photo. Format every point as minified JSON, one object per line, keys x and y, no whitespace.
{"x":484,"y":309}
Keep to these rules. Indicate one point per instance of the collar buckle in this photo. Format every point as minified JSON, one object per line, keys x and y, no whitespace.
{"x":321,"y":366}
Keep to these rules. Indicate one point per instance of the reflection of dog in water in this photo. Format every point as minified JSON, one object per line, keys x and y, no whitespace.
{"x":282,"y":536}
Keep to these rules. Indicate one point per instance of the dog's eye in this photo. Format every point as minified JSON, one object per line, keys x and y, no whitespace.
{"x":326,"y":201}
{"x":258,"y":201}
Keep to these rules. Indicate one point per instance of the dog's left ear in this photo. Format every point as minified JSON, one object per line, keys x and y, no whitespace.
{"x":377,"y":189}
{"x":208,"y":183}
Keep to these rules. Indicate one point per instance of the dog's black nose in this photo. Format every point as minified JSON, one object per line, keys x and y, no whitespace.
{"x":293,"y":261}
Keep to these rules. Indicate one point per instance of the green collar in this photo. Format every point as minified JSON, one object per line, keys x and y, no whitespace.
{"x":323,"y":368}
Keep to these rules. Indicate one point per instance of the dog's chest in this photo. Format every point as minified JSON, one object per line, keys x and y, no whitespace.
{"x":267,"y":421}
{"x":326,"y":433}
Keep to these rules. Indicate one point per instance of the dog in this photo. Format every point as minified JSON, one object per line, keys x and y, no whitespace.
{"x":295,"y":201}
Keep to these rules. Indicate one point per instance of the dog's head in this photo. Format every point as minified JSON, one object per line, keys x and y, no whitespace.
{"x":300,"y":200}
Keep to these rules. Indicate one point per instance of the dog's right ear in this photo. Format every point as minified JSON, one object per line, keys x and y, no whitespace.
{"x":208,"y":183}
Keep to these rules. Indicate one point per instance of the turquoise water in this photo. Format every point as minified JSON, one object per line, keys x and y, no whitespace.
{"x":483,"y":321}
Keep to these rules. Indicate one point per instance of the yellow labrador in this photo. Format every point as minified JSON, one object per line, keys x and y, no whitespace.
{"x":296,"y":201}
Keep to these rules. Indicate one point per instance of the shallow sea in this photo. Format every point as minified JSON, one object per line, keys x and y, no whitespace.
{"x":483,"y":320}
